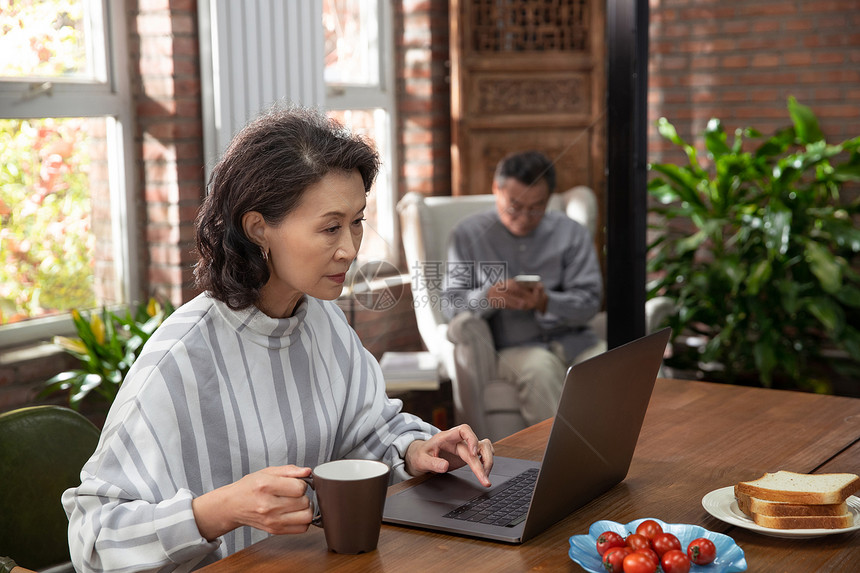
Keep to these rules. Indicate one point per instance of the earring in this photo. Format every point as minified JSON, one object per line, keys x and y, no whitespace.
{"x":265,"y":254}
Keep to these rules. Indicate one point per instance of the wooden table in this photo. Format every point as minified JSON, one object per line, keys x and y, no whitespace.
{"x":696,"y":437}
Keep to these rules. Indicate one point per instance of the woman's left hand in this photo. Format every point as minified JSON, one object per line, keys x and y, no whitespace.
{"x":450,"y":450}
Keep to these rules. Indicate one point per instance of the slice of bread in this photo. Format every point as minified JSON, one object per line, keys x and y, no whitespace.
{"x":816,"y":489}
{"x":804,"y":521}
{"x":750,"y":505}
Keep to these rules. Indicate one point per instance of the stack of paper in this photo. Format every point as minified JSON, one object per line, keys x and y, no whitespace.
{"x":410,"y":371}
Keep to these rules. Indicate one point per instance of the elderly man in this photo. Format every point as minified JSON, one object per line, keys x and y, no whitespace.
{"x":539,"y":323}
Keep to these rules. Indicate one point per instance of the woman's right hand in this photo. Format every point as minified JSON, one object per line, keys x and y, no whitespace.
{"x":272,"y":499}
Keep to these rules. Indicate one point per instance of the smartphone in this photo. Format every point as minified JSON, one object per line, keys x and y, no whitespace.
{"x":527,"y":280}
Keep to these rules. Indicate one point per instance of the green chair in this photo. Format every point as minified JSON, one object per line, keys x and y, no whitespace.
{"x":7,"y":565}
{"x":42,"y":451}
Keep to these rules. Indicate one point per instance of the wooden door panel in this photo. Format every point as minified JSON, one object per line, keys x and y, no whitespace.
{"x":527,"y":74}
{"x":485,"y":147}
{"x":539,"y":99}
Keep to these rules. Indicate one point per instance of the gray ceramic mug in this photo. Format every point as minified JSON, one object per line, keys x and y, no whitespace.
{"x":350,"y":499}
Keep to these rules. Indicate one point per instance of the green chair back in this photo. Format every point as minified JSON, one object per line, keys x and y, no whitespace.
{"x":42,"y":451}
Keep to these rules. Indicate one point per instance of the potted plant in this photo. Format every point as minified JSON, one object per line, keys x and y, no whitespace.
{"x":759,"y":253}
{"x":107,"y":346}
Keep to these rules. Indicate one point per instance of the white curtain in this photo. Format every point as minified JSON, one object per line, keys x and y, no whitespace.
{"x":252,"y":54}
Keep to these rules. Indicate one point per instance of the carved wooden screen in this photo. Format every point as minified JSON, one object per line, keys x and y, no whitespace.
{"x":527,"y":74}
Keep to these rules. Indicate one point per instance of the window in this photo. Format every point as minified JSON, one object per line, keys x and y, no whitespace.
{"x":331,"y":54}
{"x":360,"y":93}
{"x":64,"y":141}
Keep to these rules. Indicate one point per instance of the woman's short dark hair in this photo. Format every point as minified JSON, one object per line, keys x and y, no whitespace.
{"x":527,"y":167}
{"x":267,"y":168}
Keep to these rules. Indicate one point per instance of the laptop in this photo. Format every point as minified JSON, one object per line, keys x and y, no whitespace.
{"x":589,"y":450}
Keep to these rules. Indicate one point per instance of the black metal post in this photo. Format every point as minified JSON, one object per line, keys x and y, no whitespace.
{"x":627,"y":117}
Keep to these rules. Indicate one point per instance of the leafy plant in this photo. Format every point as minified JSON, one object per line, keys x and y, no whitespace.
{"x":107,"y":346}
{"x":758,"y":251}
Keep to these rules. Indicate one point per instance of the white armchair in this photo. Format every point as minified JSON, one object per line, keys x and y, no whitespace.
{"x":464,"y":347}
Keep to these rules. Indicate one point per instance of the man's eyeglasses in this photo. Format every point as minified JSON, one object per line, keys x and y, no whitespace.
{"x":518,"y":209}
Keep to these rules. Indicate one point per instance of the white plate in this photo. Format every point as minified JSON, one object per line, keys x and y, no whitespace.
{"x":721,"y":504}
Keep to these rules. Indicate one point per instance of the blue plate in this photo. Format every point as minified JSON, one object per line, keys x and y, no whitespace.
{"x":730,"y":557}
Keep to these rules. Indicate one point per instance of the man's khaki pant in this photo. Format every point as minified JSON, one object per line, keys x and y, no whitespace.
{"x":539,"y":376}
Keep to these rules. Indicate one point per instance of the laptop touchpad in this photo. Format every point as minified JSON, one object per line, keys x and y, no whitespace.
{"x":448,"y":488}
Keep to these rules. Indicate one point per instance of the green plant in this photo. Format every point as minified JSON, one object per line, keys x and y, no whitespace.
{"x":107,"y":346}
{"x":759,"y":252}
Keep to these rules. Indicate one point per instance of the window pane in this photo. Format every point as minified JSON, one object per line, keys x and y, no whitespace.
{"x":46,"y":39}
{"x":370,"y":123}
{"x":351,"y":29}
{"x":55,"y":225}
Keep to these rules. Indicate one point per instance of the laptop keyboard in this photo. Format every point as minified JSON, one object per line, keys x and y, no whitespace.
{"x":506,"y":506}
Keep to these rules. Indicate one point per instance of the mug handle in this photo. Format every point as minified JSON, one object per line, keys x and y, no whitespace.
{"x":317,"y":518}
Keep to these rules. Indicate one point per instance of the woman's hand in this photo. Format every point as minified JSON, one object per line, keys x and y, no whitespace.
{"x":450,"y":450}
{"x":272,"y":499}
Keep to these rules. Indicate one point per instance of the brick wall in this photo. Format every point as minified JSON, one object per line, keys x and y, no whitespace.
{"x":423,"y":101}
{"x":166,"y":94}
{"x":739,"y":61}
{"x":24,"y":371}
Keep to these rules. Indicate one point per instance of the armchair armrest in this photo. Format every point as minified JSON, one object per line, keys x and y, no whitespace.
{"x":657,"y":309}
{"x":473,"y":341}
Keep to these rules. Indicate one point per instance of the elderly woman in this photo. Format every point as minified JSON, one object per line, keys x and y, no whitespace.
{"x":260,"y":378}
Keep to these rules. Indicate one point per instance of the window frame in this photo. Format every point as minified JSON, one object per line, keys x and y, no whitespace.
{"x":341,"y":97}
{"x":108,"y":97}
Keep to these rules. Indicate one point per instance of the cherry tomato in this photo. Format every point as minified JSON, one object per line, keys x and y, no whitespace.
{"x":649,"y":528}
{"x":636,"y":541}
{"x":650,"y":554}
{"x":607,"y":540}
{"x":675,"y":561}
{"x":664,"y":542}
{"x":613,"y":559}
{"x":638,"y":563}
{"x":701,"y":551}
